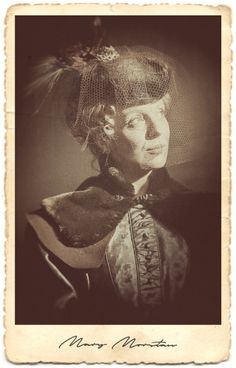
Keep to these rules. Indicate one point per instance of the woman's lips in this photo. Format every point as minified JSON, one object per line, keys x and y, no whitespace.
{"x":155,"y":149}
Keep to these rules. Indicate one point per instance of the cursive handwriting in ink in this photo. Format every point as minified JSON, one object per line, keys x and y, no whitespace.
{"x":78,"y":342}
{"x":125,"y":342}
{"x":131,"y":343}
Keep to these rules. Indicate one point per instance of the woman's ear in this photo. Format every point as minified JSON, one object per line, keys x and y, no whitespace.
{"x":109,"y":125}
{"x":109,"y":129}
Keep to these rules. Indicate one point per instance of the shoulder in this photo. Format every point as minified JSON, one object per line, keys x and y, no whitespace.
{"x":78,"y":258}
{"x":197,"y":204}
{"x":93,"y":181}
{"x":190,"y":212}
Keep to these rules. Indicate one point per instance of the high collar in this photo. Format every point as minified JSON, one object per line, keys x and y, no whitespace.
{"x":113,"y":181}
{"x":101,"y":202}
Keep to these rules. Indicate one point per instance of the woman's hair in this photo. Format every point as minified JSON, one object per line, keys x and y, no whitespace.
{"x":101,"y":82}
{"x":115,"y":79}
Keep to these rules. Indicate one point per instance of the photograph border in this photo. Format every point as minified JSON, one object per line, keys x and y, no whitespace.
{"x":44,"y":339}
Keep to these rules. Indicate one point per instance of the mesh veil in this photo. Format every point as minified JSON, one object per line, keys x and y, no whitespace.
{"x":137,"y":74}
{"x":128,"y":76}
{"x":125,"y":77}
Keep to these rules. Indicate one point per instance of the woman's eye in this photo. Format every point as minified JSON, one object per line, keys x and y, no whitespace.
{"x":135,"y":121}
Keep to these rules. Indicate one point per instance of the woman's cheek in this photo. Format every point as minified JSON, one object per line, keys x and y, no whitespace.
{"x":136,"y":137}
{"x":166,"y":129}
{"x":136,"y":146}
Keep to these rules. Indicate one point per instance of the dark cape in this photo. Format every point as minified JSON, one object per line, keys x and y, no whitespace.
{"x":52,"y":288}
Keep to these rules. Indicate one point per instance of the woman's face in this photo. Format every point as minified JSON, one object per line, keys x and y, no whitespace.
{"x":142,"y":136}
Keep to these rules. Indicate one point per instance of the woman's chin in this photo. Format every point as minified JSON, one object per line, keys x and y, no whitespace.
{"x":155,"y":163}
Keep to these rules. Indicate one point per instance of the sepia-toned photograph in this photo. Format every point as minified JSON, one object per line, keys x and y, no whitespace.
{"x":118,"y":170}
{"x":117,"y":184}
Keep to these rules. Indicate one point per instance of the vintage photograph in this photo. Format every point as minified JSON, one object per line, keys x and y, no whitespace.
{"x":117,"y":184}
{"x":118,"y":170}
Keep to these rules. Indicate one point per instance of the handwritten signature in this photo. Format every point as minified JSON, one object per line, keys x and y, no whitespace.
{"x":125,"y":342}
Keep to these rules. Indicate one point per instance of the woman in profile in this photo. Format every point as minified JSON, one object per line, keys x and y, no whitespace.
{"x":131,"y":245}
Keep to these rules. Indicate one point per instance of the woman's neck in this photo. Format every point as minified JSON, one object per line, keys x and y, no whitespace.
{"x":135,"y":175}
{"x":140,"y":185}
{"x":131,"y":172}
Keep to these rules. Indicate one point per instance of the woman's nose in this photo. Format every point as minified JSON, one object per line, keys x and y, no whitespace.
{"x":152,"y":128}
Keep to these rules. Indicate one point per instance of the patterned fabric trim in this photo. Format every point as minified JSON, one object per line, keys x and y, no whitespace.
{"x":122,"y":264}
{"x":148,"y":256}
{"x":148,"y":263}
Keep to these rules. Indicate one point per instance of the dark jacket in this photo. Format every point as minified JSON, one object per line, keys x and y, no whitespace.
{"x":53,"y":287}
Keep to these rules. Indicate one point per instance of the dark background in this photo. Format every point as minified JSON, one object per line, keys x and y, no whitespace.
{"x":49,"y":160}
